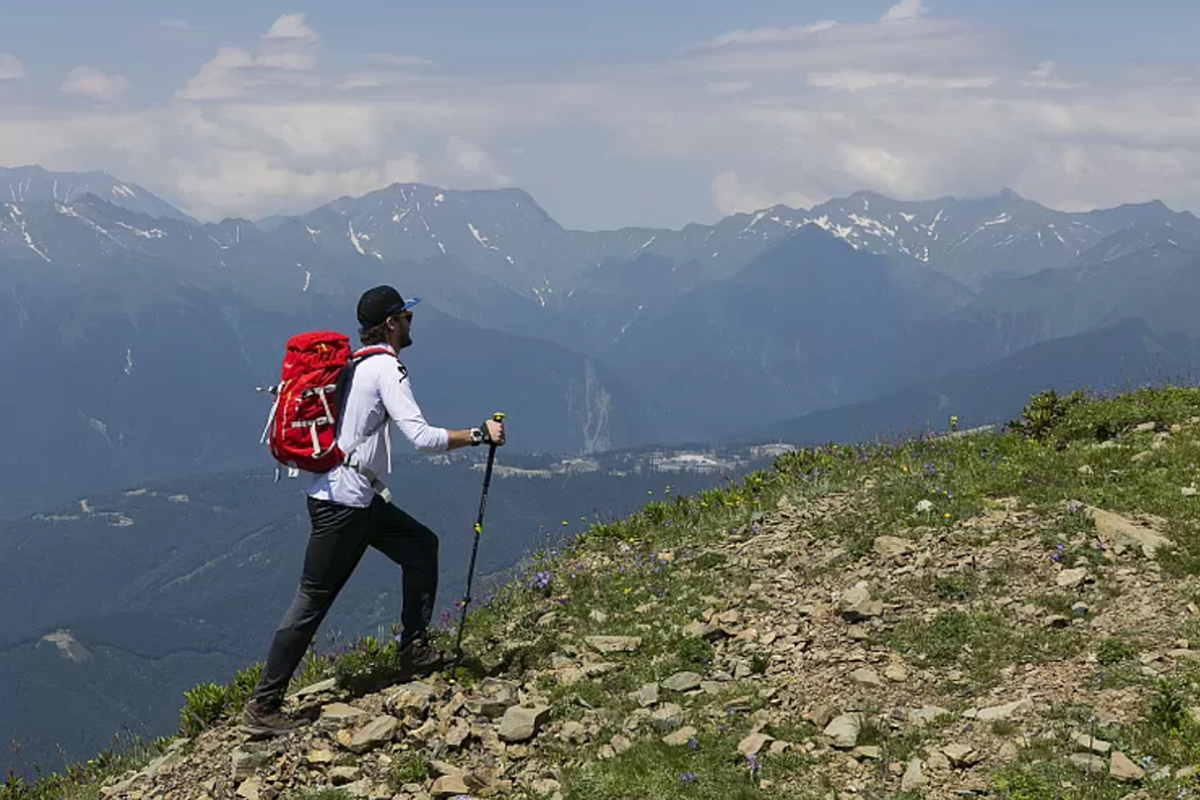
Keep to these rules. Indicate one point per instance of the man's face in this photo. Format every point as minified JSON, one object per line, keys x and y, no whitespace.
{"x":401,"y":337}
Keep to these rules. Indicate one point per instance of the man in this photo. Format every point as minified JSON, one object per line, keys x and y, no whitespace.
{"x":348,"y":516}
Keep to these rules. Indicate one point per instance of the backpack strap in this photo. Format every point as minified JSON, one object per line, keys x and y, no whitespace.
{"x":350,"y":460}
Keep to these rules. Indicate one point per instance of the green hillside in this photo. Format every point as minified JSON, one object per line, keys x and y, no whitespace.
{"x":1006,"y":614}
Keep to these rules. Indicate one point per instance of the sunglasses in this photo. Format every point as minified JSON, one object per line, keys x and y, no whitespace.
{"x":404,"y":310}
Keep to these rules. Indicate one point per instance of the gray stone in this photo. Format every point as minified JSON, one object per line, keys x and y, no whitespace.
{"x":648,"y":695}
{"x":1006,"y":711}
{"x":377,"y":732}
{"x":865,"y":676}
{"x":506,"y":692}
{"x":857,"y":605}
{"x":1089,"y":742}
{"x":340,"y":776}
{"x":702,"y":630}
{"x":1072,"y":578}
{"x":680,"y":737}
{"x":1118,"y":533}
{"x":327,"y":685}
{"x":750,"y":745}
{"x":573,"y":732}
{"x":614,"y":644}
{"x":521,"y":723}
{"x":458,"y":733}
{"x":921,"y":717}
{"x":843,"y":730}
{"x":682,"y":682}
{"x":913,"y":777}
{"x":416,"y":697}
{"x":249,"y":789}
{"x":961,"y":754}
{"x":485,"y":707}
{"x":341,"y":712}
{"x":450,"y":786}
{"x":891,"y":546}
{"x":667,"y":716}
{"x":1121,"y":768}
{"x":1088,"y":762}
{"x":245,"y":762}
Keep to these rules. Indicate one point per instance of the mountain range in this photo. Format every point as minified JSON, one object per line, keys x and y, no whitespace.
{"x":142,"y":521}
{"x":138,"y":334}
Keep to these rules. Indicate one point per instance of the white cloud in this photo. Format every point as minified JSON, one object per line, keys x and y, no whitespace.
{"x":859,"y":80}
{"x":288,"y":46}
{"x":731,"y":196}
{"x":11,"y":68}
{"x":397,"y":61}
{"x":474,"y":165}
{"x":761,"y":36}
{"x":176,"y":24}
{"x":904,"y":11}
{"x":291,"y":27}
{"x":1046,"y":75}
{"x":86,"y":81}
{"x":754,"y":117}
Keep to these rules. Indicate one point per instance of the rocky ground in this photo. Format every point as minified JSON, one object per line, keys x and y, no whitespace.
{"x":846,"y":638}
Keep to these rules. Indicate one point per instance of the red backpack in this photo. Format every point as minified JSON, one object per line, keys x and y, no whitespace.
{"x":302,"y":427}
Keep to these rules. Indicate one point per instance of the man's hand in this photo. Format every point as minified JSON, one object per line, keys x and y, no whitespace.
{"x":494,"y":432}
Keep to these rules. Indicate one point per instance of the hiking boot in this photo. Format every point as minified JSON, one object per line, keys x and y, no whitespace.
{"x":262,"y":719}
{"x":418,"y":658}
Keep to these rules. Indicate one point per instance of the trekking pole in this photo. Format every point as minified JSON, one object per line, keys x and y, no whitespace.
{"x":487,"y":479}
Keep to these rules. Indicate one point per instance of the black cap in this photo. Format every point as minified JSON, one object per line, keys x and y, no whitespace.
{"x":376,"y":305}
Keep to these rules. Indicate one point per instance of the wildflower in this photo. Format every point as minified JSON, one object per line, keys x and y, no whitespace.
{"x":687,"y":777}
{"x":752,"y":762}
{"x":1072,"y":507}
{"x":692,"y":743}
{"x":1057,"y":556}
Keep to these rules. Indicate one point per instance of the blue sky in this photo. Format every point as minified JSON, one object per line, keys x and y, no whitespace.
{"x":610,"y":113}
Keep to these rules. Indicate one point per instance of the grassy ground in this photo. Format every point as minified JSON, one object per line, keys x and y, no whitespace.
{"x":969,"y":631}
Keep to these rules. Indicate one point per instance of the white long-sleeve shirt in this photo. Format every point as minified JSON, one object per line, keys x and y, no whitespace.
{"x":380,"y":388}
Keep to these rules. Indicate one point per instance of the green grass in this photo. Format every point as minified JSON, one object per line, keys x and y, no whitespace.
{"x":711,"y":770}
{"x":981,"y":644}
{"x":83,"y":781}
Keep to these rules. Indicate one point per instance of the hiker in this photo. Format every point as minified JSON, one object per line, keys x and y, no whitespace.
{"x":351,"y":511}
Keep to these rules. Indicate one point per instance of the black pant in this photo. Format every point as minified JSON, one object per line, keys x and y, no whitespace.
{"x":340,"y":536}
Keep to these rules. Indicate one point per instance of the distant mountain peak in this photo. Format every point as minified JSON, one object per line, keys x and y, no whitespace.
{"x":33,"y":182}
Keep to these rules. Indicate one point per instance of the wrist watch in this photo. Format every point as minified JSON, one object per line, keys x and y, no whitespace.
{"x":476,"y":437}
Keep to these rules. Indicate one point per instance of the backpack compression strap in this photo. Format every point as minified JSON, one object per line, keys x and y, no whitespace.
{"x":351,"y":460}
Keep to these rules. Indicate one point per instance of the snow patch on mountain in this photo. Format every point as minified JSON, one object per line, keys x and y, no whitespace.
{"x":356,"y":239}
{"x":483,"y":240}
{"x":153,"y":233}
{"x":15,"y":213}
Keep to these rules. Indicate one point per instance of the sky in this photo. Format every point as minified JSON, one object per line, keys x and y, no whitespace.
{"x":613,"y":113}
